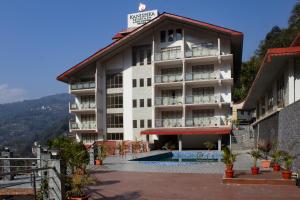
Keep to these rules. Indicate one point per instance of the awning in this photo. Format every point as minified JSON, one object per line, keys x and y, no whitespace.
{"x":187,"y":131}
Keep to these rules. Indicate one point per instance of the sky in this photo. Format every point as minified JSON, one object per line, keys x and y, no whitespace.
{"x":41,"y":39}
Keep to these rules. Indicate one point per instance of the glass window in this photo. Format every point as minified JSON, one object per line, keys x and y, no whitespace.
{"x":280,"y":92}
{"x":149,"y":102}
{"x":134,"y":123}
{"x":134,"y":57}
{"x":149,"y":56}
{"x":142,"y":125}
{"x":149,"y":123}
{"x":163,"y":36}
{"x":141,"y":82}
{"x":134,"y":104}
{"x":88,"y":138}
{"x":115,"y":120}
{"x":142,"y":57}
{"x":270,"y":100}
{"x":178,"y":34}
{"x":114,"y":80}
{"x":114,"y":100}
{"x":133,"y":82}
{"x":170,"y":36}
{"x":114,"y":136}
{"x":148,"y":81}
{"x":141,"y":103}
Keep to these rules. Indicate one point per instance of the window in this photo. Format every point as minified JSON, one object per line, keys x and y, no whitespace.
{"x":114,"y":80}
{"x":115,"y":120}
{"x":163,"y":36}
{"x":170,"y":36}
{"x":141,"y":54}
{"x":141,"y":82}
{"x":88,"y":138}
{"x":280,"y":92}
{"x":178,"y":34}
{"x":148,"y":81}
{"x":270,"y":100}
{"x":114,"y":136}
{"x":141,"y":103}
{"x":263,"y":106}
{"x":149,"y":56}
{"x":149,"y":102}
{"x":142,"y":125}
{"x":134,"y":57}
{"x":134,"y":123}
{"x":133,"y":82}
{"x":134,"y":104}
{"x":114,"y":100}
{"x":149,"y":123}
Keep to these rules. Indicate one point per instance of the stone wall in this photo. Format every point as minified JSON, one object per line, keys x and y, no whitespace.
{"x":289,"y":130}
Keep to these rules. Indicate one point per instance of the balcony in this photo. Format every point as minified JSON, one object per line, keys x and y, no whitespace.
{"x":83,"y":88}
{"x":168,"y":78}
{"x":168,"y":123}
{"x":202,"y":99}
{"x":168,"y":55}
{"x":202,"y":51}
{"x":203,"y":122}
{"x":195,"y":76}
{"x":82,"y":107}
{"x":167,"y":101}
{"x":84,"y":126}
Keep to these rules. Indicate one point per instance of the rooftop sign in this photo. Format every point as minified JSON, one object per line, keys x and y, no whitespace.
{"x":140,"y":18}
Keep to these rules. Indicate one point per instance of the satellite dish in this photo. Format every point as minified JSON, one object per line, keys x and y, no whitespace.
{"x":142,"y":7}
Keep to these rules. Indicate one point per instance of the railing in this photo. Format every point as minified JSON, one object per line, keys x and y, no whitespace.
{"x":201,"y":52}
{"x":83,"y":85}
{"x":168,"y":55}
{"x":203,"y":122}
{"x":82,"y":126}
{"x":82,"y":106}
{"x":175,"y":122}
{"x":192,"y":76}
{"x":168,"y":78}
{"x":201,"y":99}
{"x":168,"y":101}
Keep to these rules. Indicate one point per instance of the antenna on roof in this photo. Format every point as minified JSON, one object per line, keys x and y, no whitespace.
{"x":142,"y":7}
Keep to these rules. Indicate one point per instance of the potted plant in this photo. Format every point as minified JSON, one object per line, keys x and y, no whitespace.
{"x":288,"y":161}
{"x":265,"y":147}
{"x":228,"y":159}
{"x":276,"y":155}
{"x":255,"y":154}
{"x":102,"y":153}
{"x":209,"y":145}
{"x":79,"y":180}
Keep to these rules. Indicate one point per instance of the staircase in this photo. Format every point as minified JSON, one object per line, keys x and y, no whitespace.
{"x":243,"y":138}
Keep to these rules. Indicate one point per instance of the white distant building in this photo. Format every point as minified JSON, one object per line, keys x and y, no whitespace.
{"x":165,"y":78}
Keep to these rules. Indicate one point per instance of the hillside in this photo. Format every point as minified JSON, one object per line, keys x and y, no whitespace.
{"x":22,"y":123}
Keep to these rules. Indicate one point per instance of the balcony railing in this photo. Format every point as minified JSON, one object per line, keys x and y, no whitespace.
{"x":83,"y":85}
{"x":168,"y":101}
{"x":201,"y":99}
{"x":175,"y":122}
{"x":168,"y":55}
{"x":192,"y":76}
{"x":82,"y":106}
{"x":82,"y":126}
{"x":168,"y":78}
{"x":203,"y":122}
{"x":201,"y":52}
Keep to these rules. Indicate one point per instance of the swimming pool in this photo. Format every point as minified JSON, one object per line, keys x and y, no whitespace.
{"x":184,"y":157}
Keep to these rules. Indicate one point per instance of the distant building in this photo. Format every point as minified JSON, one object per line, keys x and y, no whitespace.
{"x":241,"y":116}
{"x":274,"y":96}
{"x":165,"y":78}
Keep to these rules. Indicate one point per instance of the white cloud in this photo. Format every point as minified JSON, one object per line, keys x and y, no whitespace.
{"x":8,"y":95}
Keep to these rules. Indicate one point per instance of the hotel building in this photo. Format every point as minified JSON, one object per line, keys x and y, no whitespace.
{"x":165,"y":78}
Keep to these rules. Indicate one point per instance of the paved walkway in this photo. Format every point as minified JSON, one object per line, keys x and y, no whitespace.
{"x":116,"y":185}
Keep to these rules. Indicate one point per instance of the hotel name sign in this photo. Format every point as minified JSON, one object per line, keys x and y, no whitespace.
{"x":140,"y":18}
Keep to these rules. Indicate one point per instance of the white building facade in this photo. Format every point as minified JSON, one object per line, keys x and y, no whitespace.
{"x":170,"y":77}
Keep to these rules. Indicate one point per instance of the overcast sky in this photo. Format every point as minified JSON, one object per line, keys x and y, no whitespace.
{"x":41,"y":39}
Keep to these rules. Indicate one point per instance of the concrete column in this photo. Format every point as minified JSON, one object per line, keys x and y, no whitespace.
{"x":56,"y":181}
{"x":179,"y":142}
{"x":219,"y":46}
{"x":92,"y":156}
{"x":6,"y":164}
{"x":230,"y":141}
{"x":220,"y":144}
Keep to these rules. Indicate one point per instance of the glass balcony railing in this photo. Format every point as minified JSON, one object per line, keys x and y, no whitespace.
{"x":83,"y":85}
{"x":168,"y":101}
{"x":201,"y":99}
{"x":202,"y":121}
{"x":165,"y":123}
{"x":192,"y":76}
{"x":168,"y":78}
{"x":82,"y":126}
{"x":201,"y":52}
{"x":82,"y":106}
{"x":168,"y":55}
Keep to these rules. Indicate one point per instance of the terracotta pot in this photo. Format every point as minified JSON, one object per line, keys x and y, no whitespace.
{"x":98,"y":162}
{"x":229,"y":173}
{"x":78,"y":198}
{"x":276,"y":167}
{"x":255,"y":170}
{"x":229,"y":167}
{"x":265,"y":164}
{"x":286,"y":174}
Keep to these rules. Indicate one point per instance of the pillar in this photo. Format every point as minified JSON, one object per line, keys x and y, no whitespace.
{"x":220,"y":144}
{"x":180,"y":142}
{"x":6,"y":164}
